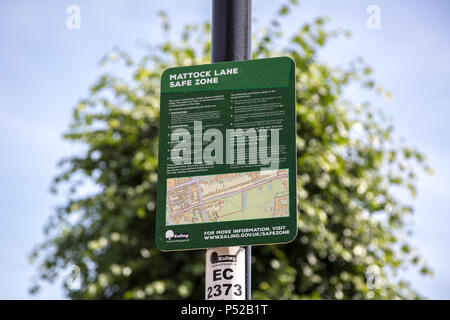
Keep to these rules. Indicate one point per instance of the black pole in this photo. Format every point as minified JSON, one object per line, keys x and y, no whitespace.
{"x":231,"y":30}
{"x":248,"y":273}
{"x":231,"y":40}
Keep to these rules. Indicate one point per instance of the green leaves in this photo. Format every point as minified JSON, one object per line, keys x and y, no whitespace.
{"x":352,"y":237}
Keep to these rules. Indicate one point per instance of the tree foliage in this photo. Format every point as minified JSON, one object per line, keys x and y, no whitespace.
{"x":352,"y":227}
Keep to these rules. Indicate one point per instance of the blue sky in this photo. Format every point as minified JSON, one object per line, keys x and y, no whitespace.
{"x":46,"y":68}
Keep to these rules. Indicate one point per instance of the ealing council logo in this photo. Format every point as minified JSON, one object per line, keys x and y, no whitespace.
{"x":170,"y":235}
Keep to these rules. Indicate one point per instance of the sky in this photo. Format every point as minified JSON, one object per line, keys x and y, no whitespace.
{"x":45,"y":68}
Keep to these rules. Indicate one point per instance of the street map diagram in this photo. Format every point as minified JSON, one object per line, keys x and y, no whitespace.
{"x":227,"y":197}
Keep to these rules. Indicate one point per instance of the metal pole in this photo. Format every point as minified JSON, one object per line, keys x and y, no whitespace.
{"x":248,"y":273}
{"x":231,"y":30}
{"x":231,"y":41}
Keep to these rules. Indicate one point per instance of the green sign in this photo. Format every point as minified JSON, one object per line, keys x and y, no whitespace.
{"x":227,"y":155}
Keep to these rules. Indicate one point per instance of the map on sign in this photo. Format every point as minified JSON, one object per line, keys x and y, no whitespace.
{"x":228,"y":197}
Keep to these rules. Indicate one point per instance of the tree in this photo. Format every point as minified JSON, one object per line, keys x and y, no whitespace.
{"x":352,"y":227}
